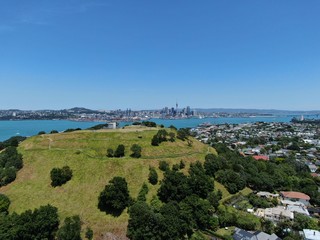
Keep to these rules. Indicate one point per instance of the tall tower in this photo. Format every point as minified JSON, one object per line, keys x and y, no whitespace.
{"x":176,"y":106}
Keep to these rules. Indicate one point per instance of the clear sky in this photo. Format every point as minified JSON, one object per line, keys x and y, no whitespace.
{"x":146,"y":54}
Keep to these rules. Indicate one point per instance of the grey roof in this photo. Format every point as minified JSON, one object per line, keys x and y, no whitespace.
{"x":265,"y":236}
{"x":241,"y":234}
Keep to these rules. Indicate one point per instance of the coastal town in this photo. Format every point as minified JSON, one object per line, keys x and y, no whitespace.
{"x":176,"y":112}
{"x":297,"y":141}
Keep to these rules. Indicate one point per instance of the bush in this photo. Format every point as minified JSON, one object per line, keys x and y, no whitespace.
{"x":53,"y":131}
{"x":119,"y":151}
{"x":149,"y":124}
{"x":155,"y":141}
{"x":4,"y":203}
{"x":10,"y":163}
{"x":110,"y":152}
{"x":136,"y":151}
{"x":89,"y":233}
{"x":70,"y":230}
{"x":163,"y":165}
{"x":41,"y":132}
{"x":143,"y":192}
{"x":153,"y":176}
{"x":60,"y":176}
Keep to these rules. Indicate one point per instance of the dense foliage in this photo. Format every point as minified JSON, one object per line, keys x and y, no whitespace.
{"x":236,"y":172}
{"x":153,"y":176}
{"x":4,"y":203}
{"x":10,"y":163}
{"x":13,"y":141}
{"x":70,"y":230}
{"x":136,"y":151}
{"x":159,"y":137}
{"x":41,"y":223}
{"x":149,"y":124}
{"x":60,"y":176}
{"x":115,"y":196}
{"x":119,"y":151}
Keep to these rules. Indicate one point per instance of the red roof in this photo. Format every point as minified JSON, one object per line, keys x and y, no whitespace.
{"x":298,"y":195}
{"x":261,"y":157}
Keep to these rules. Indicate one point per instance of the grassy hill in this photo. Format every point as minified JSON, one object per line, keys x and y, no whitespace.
{"x":85,"y":153}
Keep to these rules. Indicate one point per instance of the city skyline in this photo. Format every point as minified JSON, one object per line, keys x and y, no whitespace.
{"x":146,"y":55}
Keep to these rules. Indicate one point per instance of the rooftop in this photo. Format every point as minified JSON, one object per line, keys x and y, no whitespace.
{"x":298,"y":195}
{"x":310,"y":234}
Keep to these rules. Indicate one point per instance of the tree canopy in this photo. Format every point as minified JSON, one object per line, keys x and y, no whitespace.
{"x":115,"y":196}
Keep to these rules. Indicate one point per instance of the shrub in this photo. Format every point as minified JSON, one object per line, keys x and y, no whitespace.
{"x":110,"y":152}
{"x":60,"y":176}
{"x":153,"y":176}
{"x":119,"y":151}
{"x":4,"y":203}
{"x":136,"y":151}
{"x":70,"y":230}
{"x":163,"y":165}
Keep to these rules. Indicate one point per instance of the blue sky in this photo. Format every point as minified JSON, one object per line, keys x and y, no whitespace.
{"x":150,"y":54}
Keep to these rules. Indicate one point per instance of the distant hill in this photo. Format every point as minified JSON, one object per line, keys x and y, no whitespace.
{"x":260,"y":111}
{"x":85,"y":153}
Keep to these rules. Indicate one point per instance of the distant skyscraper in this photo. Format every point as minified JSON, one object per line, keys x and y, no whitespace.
{"x":188,"y":111}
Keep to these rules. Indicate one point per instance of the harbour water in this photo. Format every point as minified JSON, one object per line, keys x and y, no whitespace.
{"x":32,"y":127}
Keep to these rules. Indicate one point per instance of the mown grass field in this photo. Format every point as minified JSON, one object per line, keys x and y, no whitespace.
{"x":85,"y":153}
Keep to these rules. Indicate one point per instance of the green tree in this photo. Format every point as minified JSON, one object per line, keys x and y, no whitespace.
{"x":110,"y":152}
{"x":163,"y":165}
{"x":115,"y":196}
{"x":153,"y":176}
{"x":197,"y":212}
{"x":214,"y":198}
{"x":174,"y":187}
{"x":89,"y":233}
{"x":42,"y":223}
{"x":4,"y":203}
{"x":143,"y":222}
{"x":60,"y":176}
{"x":172,"y":136}
{"x":119,"y":151}
{"x":199,"y":183}
{"x":70,"y":230}
{"x":155,"y":141}
{"x":136,"y":151}
{"x":143,"y":192}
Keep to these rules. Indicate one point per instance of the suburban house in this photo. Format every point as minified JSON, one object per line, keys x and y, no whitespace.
{"x":309,"y":234}
{"x":241,"y":234}
{"x":267,"y":195}
{"x":296,"y":197}
{"x":275,"y":214}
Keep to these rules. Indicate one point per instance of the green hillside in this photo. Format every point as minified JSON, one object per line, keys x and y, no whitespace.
{"x":85,"y":153}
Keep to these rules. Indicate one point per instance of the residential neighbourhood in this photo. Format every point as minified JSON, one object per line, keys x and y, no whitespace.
{"x":274,"y":142}
{"x":265,"y":141}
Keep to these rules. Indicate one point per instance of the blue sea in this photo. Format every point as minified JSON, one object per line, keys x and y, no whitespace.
{"x":32,"y":127}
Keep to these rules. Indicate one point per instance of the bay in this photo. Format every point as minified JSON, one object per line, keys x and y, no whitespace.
{"x":32,"y":127}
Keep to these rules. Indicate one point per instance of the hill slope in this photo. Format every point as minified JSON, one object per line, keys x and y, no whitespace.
{"x":85,"y":153}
